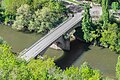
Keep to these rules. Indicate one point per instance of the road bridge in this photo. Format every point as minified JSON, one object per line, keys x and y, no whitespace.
{"x":57,"y":33}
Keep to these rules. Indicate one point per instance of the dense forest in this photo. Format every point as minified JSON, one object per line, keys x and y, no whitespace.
{"x":32,"y":15}
{"x":106,"y":31}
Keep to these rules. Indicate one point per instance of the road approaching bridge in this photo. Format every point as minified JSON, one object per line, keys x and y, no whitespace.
{"x":52,"y":36}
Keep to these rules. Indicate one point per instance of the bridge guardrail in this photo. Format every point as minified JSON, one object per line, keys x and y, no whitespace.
{"x":65,"y":30}
{"x":22,"y":52}
{"x":39,"y":49}
{"x":53,"y":39}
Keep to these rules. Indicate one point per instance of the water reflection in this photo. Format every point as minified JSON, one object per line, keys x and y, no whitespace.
{"x":97,"y":57}
{"x":70,"y":56}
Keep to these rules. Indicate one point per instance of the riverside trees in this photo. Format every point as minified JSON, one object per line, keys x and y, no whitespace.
{"x":23,"y":17}
{"x":40,"y":19}
{"x":86,"y":23}
{"x":104,"y":32}
{"x":13,"y":68}
{"x":9,"y":7}
{"x":34,"y":15}
{"x":115,"y":6}
{"x":110,"y":29}
{"x":105,"y":13}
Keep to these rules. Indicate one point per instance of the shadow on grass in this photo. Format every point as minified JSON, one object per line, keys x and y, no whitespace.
{"x":77,"y":49}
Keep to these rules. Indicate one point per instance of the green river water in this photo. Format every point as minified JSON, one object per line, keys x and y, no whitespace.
{"x":99,"y":58}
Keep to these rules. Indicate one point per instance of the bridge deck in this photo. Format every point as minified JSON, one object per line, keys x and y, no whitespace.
{"x":53,"y":35}
{"x":47,"y":40}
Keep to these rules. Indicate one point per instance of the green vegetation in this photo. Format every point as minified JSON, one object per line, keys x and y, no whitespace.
{"x":33,"y":15}
{"x":104,"y":32}
{"x":105,"y":13}
{"x":41,"y":16}
{"x":10,"y":6}
{"x":110,"y":1}
{"x":1,"y":13}
{"x":97,"y":1}
{"x":2,"y":41}
{"x":86,"y":23}
{"x":9,"y":9}
{"x":118,"y":69}
{"x":12,"y":67}
{"x":115,"y":6}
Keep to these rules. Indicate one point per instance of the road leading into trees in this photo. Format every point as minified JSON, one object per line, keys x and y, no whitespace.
{"x":47,"y":40}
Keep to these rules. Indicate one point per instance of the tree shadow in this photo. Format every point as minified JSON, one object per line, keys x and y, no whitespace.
{"x":76,"y":50}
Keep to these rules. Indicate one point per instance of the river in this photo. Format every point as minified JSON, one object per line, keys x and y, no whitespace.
{"x":99,"y":58}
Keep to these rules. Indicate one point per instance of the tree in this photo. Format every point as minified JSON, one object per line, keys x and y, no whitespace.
{"x":2,"y":16}
{"x":99,"y":1}
{"x":117,"y":46}
{"x":39,"y":19}
{"x":46,"y":19}
{"x":13,"y":68}
{"x":86,"y":23}
{"x":118,"y":69}
{"x":87,"y":73}
{"x":38,"y":4}
{"x":71,"y":73}
{"x":2,"y":41}
{"x":23,"y":17}
{"x":105,"y":13}
{"x":10,"y":6}
{"x":115,"y":6}
{"x":109,"y":36}
{"x":42,"y":20}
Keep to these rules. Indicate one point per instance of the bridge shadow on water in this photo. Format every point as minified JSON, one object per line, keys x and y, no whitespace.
{"x":77,"y":49}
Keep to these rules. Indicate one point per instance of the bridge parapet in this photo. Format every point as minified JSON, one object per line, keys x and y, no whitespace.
{"x":51,"y":37}
{"x":51,"y":31}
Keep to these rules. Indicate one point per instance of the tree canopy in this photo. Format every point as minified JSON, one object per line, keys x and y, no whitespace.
{"x":14,"y":68}
{"x":39,"y":19}
{"x":86,"y":23}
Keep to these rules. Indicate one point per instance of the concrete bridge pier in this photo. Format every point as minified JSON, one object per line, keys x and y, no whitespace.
{"x":62,"y":43}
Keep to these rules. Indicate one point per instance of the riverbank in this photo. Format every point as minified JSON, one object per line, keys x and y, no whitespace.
{"x":18,"y":40}
{"x":99,"y":58}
